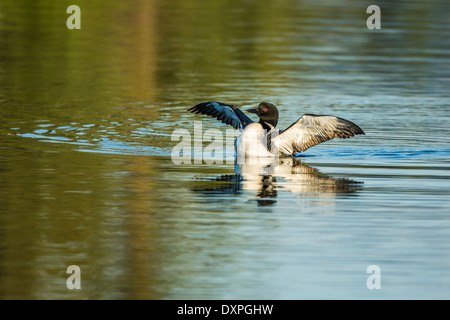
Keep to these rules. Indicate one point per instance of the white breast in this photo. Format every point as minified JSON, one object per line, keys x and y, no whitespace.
{"x":251,"y":145}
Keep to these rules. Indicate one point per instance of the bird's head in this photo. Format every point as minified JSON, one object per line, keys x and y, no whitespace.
{"x":267,"y":113}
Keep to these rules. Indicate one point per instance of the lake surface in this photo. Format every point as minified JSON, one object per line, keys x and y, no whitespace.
{"x":87,"y":177}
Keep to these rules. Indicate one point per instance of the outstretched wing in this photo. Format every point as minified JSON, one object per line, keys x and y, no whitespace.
{"x":311,"y":130}
{"x":228,"y":114}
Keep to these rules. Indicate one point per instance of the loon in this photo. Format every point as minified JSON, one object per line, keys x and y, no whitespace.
{"x":263,"y":139}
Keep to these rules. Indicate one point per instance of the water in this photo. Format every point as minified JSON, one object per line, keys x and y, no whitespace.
{"x":87,"y":179}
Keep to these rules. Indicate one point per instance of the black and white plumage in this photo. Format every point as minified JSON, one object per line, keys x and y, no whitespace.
{"x":308,"y":131}
{"x":228,"y":114}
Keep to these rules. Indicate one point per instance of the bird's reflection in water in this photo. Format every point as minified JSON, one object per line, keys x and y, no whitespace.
{"x":267,"y":178}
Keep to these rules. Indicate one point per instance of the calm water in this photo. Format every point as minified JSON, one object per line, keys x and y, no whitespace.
{"x":87,"y":179}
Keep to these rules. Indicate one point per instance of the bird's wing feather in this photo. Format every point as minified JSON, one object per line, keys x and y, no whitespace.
{"x":311,"y":130}
{"x":228,"y":114}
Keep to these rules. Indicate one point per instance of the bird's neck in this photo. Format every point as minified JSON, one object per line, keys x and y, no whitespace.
{"x":268,"y":125}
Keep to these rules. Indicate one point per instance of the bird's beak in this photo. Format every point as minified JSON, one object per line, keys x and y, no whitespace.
{"x":252,"y":110}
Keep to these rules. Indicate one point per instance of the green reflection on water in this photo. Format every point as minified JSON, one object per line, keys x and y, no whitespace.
{"x":66,"y":208}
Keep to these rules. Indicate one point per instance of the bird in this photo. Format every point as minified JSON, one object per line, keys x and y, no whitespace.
{"x":264,"y":139}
